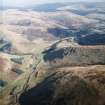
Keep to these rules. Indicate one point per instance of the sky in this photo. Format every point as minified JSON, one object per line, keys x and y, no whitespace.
{"x":22,"y":3}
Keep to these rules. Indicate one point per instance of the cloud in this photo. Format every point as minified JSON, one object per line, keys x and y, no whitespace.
{"x":31,"y":2}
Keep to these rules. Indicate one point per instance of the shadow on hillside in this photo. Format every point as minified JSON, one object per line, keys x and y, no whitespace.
{"x":91,"y":39}
{"x":51,"y":55}
{"x":61,"y":89}
{"x":60,"y":32}
{"x":40,"y":94}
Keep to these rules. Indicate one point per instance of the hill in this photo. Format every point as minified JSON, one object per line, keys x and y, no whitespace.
{"x":53,"y":54}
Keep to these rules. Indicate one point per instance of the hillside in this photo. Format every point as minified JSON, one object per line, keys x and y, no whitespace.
{"x":67,"y":74}
{"x":65,"y":86}
{"x":53,"y":54}
{"x":73,"y":55}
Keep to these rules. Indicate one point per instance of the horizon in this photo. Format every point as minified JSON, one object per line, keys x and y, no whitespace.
{"x":26,"y":3}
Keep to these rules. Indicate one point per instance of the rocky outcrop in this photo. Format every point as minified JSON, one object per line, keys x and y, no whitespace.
{"x":5,"y":45}
{"x":75,"y":56}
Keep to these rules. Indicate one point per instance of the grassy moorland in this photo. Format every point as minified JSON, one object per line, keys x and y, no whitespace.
{"x":53,"y":55}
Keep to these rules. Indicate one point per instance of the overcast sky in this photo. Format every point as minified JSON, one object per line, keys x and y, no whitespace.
{"x":23,"y":3}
